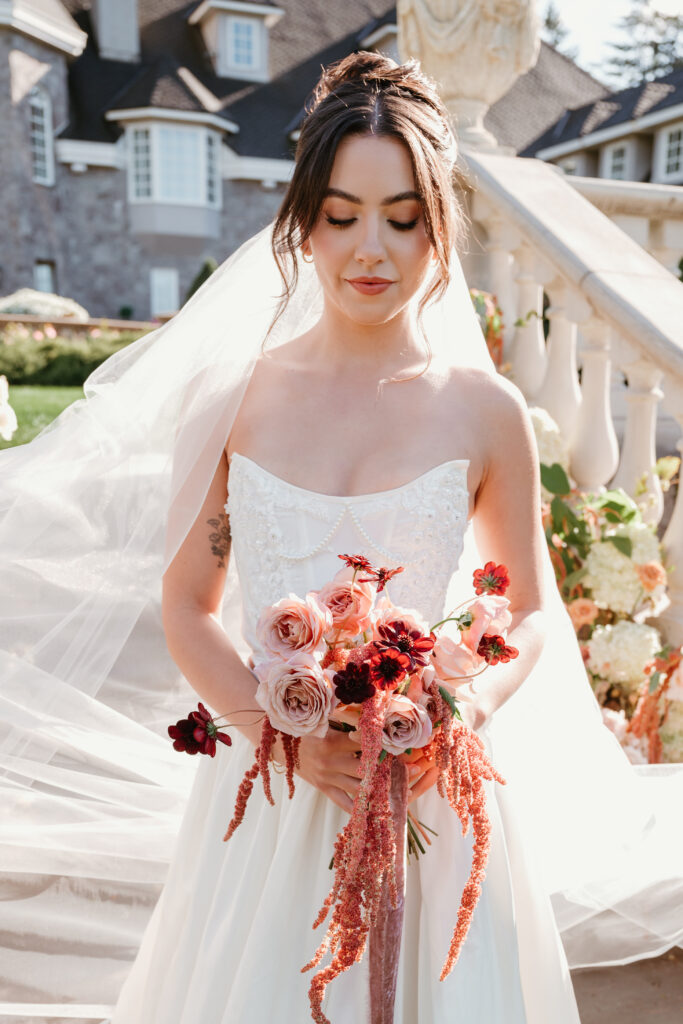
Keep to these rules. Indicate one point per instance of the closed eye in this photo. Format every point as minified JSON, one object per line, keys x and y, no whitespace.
{"x":398,"y":224}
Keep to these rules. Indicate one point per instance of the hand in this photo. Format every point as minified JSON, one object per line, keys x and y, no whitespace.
{"x":331,"y":764}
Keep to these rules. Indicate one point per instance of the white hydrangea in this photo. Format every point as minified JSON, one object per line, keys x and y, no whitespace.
{"x":611,"y":574}
{"x":620,"y":652}
{"x":551,"y":445}
{"x":671,"y":733}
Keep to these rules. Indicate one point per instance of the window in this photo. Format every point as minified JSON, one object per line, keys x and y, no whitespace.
{"x":674,"y":151}
{"x":243,"y":49}
{"x":163,"y":288}
{"x":44,"y":276}
{"x":618,"y":162}
{"x":42,"y":156}
{"x":142,"y":164}
{"x":176,"y":163}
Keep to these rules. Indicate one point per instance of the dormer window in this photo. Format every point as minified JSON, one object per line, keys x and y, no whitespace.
{"x":242,"y":45}
{"x":235,"y":33}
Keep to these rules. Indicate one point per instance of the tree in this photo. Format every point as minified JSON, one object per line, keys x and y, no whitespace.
{"x":555,"y":31}
{"x":652,"y":46}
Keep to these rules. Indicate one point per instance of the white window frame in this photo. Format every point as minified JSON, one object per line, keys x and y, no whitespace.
{"x":40,"y":268}
{"x":41,"y":136}
{"x":211,"y":190}
{"x":163,"y":281}
{"x":677,"y":171}
{"x":228,"y":67}
{"x":621,"y":149}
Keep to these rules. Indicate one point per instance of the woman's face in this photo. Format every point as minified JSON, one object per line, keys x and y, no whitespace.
{"x":370,"y":226}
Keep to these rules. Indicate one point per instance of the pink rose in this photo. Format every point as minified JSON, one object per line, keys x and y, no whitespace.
{"x":491,"y":615}
{"x":385,"y":613}
{"x":406,"y":725}
{"x":295,"y":694}
{"x":452,"y":660}
{"x":582,"y":611}
{"x":348,"y":603}
{"x":292,"y":625}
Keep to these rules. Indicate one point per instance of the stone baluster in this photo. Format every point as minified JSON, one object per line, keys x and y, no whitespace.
{"x":503,"y":239}
{"x":528,"y":351}
{"x":671,"y":620}
{"x":638,"y":450}
{"x":560,"y":393}
{"x":594,"y":450}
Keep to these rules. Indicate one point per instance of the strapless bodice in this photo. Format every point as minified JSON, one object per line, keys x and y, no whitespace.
{"x":286,"y":539}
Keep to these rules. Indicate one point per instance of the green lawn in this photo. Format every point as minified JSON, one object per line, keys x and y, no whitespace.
{"x":35,"y":408}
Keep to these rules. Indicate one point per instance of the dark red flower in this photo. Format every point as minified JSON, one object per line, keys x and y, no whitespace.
{"x":352,"y":683}
{"x":411,"y":641}
{"x":380,"y":576}
{"x":197,"y":734}
{"x":492,"y":579}
{"x":389,"y":667}
{"x":493,"y":649}
{"x":357,"y":562}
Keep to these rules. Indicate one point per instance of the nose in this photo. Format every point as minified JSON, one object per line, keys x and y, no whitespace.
{"x":370,"y":248}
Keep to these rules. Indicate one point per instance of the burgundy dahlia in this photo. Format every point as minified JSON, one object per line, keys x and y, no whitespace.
{"x":493,"y":649}
{"x":197,"y":734}
{"x":357,"y":562}
{"x":380,"y":576}
{"x":352,"y":683}
{"x":389,"y":667}
{"x":411,"y":641}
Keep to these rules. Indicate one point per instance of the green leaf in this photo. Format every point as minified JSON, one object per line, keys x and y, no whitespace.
{"x":623,"y":544}
{"x":450,"y":700}
{"x":554,"y":479}
{"x":573,"y":577}
{"x":654,"y":682}
{"x":382,"y":755}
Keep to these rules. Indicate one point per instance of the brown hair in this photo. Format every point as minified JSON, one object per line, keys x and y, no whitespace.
{"x":362,"y":94}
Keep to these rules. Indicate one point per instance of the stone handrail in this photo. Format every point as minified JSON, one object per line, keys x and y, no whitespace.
{"x":541,"y":234}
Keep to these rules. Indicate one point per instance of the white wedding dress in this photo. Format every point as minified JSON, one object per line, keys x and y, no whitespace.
{"x":232,"y":927}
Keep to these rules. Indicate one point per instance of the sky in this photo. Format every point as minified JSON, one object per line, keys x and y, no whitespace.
{"x":593,"y":24}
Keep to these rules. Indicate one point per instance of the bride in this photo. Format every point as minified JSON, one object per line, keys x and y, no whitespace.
{"x":231,"y":464}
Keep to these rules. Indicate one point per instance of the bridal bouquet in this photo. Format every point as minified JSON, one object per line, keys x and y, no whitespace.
{"x":345,"y":657}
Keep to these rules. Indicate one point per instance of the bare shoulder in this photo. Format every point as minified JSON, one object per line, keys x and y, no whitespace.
{"x":492,"y":402}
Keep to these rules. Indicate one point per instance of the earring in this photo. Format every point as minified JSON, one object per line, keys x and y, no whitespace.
{"x":303,"y":257}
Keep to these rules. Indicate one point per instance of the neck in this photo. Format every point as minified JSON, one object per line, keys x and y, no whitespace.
{"x":379,"y":350}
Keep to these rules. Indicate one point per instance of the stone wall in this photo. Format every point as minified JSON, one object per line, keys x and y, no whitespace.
{"x":82,"y":222}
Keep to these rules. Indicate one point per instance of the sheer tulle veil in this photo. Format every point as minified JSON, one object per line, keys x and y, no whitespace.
{"x":91,"y":513}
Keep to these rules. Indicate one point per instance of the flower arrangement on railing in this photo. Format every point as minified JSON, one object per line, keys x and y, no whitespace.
{"x":609,"y":569}
{"x":491,"y":320}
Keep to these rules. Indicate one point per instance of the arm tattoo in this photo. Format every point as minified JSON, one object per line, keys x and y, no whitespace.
{"x":220,"y":537}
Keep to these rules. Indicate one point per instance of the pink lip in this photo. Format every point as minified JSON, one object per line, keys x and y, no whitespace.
{"x":370,"y":285}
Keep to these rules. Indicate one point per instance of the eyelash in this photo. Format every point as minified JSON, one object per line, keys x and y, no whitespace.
{"x":399,"y":225}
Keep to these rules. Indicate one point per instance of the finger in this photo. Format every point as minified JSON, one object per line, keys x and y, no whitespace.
{"x":340,"y":798}
{"x":423,"y":784}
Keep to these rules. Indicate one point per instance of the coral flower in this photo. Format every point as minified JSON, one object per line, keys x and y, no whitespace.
{"x":492,"y":579}
{"x":197,"y":733}
{"x":582,"y":611}
{"x":353,"y":685}
{"x":651,"y":574}
{"x":412,"y":642}
{"x":381,"y":576}
{"x":493,"y":649}
{"x":389,"y":667}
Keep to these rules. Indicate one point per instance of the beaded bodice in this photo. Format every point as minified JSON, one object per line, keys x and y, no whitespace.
{"x":286,"y":539}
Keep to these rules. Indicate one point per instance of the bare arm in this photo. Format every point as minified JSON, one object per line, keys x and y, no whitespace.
{"x":192,"y":595}
{"x":508,"y":530}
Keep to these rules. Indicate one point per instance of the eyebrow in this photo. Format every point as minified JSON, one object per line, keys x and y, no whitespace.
{"x":385,"y":202}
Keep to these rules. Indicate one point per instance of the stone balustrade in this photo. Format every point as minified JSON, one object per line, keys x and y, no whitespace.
{"x":615,"y":311}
